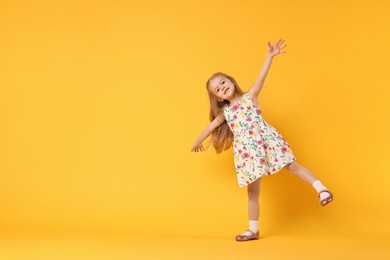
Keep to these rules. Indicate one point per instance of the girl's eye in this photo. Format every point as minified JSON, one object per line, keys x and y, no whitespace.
{"x":223,"y":82}
{"x":217,"y":90}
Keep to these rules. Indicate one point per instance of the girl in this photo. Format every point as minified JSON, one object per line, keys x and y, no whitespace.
{"x":259,"y":149}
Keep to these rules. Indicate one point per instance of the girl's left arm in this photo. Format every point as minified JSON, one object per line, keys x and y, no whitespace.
{"x":274,"y":50}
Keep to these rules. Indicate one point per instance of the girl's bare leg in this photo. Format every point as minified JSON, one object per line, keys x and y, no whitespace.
{"x":253,"y":199}
{"x":253,"y":206}
{"x":309,"y":178}
{"x":301,"y":172}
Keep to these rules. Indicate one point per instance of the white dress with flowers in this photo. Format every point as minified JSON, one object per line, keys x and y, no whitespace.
{"x":259,"y":149}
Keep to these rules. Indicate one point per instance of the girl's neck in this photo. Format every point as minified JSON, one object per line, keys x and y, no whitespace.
{"x":235,"y":99}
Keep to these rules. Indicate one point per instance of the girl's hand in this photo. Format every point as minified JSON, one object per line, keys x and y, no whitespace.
{"x":276,"y":48}
{"x":197,"y":148}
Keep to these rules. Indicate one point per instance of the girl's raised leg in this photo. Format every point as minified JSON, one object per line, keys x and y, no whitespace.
{"x":311,"y":179}
{"x":301,"y":172}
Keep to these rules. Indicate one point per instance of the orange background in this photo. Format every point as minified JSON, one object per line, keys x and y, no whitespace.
{"x":101,"y":102}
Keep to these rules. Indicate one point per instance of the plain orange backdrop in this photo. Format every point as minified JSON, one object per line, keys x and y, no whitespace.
{"x":101,"y":102}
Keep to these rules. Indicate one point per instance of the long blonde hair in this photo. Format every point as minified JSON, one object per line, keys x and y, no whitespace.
{"x":222,"y":137}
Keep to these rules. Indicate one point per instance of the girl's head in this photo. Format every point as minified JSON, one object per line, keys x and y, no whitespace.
{"x":221,"y":88}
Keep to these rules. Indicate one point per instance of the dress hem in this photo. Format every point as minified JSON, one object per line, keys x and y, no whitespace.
{"x":283,"y":165}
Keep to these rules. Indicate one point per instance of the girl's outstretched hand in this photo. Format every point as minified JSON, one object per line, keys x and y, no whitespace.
{"x":276,"y":48}
{"x":197,"y":148}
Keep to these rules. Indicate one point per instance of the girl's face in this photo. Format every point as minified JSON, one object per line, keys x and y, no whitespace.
{"x":222,"y":88}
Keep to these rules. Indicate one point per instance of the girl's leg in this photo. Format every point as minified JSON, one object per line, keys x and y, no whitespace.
{"x":309,"y":178}
{"x":253,"y":206}
{"x":253,"y":199}
{"x":301,"y":172}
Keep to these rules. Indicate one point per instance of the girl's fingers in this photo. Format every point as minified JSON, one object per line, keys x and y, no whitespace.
{"x":278,"y":43}
{"x":283,"y":46}
{"x":197,"y":149}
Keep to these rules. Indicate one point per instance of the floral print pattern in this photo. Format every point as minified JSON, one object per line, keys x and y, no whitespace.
{"x":259,"y":149}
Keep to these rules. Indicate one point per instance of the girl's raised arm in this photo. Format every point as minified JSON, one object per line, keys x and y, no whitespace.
{"x":198,"y":147}
{"x":274,"y":50}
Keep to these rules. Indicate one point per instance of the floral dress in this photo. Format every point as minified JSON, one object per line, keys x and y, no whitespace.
{"x":259,"y":149}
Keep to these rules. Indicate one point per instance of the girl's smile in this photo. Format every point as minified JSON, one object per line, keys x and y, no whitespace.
{"x":222,"y":88}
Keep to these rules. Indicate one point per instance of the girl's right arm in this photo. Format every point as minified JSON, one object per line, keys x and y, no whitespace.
{"x":198,"y":147}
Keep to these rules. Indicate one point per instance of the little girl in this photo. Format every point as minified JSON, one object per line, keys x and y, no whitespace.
{"x":259,"y":149}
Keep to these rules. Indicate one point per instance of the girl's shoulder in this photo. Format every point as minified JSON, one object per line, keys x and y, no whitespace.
{"x":225,"y":108}
{"x":253,"y":100}
{"x":246,"y":97}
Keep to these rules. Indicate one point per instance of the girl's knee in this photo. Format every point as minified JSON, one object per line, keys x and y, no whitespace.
{"x":253,"y":196}
{"x":254,"y":189}
{"x":292,"y":167}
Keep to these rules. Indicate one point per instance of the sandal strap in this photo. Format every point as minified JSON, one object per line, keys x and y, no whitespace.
{"x":325,"y":191}
{"x":250,"y":231}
